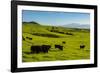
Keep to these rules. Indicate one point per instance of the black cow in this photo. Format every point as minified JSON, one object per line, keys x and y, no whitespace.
{"x":59,"y":47}
{"x":82,"y":46}
{"x":40,"y":49}
{"x":63,"y":42}
{"x":29,"y":38}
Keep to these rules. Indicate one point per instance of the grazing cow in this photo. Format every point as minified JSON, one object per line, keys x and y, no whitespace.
{"x":59,"y":47}
{"x":64,"y":42}
{"x":40,"y":49}
{"x":82,"y":46}
{"x":29,"y":38}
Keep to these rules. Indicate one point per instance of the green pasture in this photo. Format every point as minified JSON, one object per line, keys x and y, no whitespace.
{"x":41,"y":35}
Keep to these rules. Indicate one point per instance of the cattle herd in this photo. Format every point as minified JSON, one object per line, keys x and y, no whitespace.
{"x":45,"y":48}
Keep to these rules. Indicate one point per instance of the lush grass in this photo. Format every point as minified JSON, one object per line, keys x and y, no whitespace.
{"x":41,"y":35}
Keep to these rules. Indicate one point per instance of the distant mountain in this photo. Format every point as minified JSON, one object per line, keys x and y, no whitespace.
{"x":76,"y":25}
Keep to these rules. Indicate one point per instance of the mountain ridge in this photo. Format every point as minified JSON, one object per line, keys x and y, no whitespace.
{"x":77,"y":25}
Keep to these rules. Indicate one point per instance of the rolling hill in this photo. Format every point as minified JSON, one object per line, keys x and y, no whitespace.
{"x":52,"y":35}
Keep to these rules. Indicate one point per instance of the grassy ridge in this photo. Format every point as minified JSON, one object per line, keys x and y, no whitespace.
{"x":41,"y":35}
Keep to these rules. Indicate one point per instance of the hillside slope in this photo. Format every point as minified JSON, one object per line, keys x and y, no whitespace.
{"x":52,"y":35}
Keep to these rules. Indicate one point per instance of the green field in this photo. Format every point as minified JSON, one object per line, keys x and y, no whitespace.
{"x":42,"y":35}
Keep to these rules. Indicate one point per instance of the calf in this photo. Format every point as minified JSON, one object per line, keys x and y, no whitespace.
{"x":59,"y":47}
{"x":82,"y":46}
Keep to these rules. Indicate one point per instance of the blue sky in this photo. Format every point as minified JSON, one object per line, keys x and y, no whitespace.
{"x":55,"y":18}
